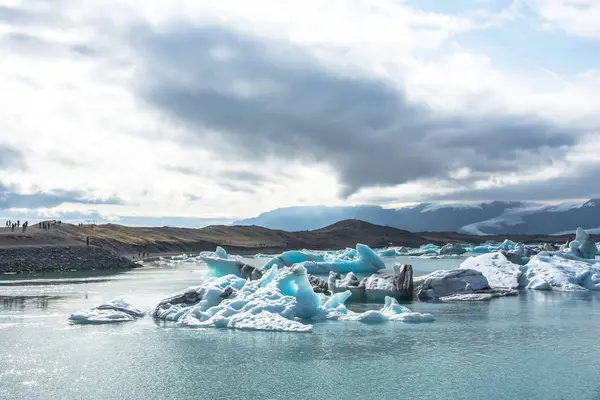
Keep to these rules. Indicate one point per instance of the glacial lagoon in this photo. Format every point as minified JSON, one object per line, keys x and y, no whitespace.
{"x":538,"y":345}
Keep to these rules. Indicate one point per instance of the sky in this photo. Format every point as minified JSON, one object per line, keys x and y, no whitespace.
{"x":204,"y":111}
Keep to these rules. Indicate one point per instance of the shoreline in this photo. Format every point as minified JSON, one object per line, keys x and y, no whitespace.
{"x":63,"y":247}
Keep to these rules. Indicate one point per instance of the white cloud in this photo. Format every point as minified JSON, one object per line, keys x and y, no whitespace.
{"x":576,"y":17}
{"x":74,"y":116}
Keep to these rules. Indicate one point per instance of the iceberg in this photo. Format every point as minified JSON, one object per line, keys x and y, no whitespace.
{"x":560,"y":271}
{"x":388,"y":252}
{"x":282,"y":300}
{"x":115,"y":311}
{"x":223,"y":264}
{"x":496,"y":268}
{"x":507,"y":245}
{"x":377,"y":286}
{"x":457,"y":284}
{"x":366,"y":261}
{"x":391,"y":311}
{"x":583,"y":246}
{"x":451,"y":249}
{"x":520,"y":254}
{"x":480,"y":249}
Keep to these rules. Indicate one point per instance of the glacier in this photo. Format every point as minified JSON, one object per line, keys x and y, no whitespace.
{"x":282,"y":300}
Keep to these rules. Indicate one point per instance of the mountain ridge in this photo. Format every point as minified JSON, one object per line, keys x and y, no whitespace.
{"x":485,"y":218}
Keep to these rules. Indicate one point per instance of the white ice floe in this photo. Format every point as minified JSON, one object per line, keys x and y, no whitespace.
{"x":456,"y":284}
{"x":365,"y":260}
{"x":283,"y":300}
{"x":497,"y":269}
{"x":221,"y":262}
{"x":435,"y":256}
{"x":561,"y":271}
{"x":115,"y":311}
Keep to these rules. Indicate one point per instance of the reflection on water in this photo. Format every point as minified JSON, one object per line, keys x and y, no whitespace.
{"x":12,"y":303}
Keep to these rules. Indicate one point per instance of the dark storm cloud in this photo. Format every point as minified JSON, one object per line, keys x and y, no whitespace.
{"x":268,"y":98}
{"x":578,"y":185}
{"x":10,"y":198}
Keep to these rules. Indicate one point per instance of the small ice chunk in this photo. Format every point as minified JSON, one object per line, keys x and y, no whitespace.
{"x":95,"y":316}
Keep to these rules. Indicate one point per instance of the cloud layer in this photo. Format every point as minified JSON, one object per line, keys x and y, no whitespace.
{"x":222,"y":109}
{"x":266,"y":98}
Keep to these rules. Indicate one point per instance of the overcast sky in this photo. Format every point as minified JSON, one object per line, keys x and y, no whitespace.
{"x":224,"y":109}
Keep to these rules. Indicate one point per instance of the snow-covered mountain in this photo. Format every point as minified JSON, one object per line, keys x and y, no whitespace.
{"x":497,"y":217}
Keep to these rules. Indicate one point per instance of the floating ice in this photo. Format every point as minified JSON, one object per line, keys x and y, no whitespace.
{"x":496,"y":268}
{"x":377,"y":286}
{"x":451,"y":249}
{"x":221,"y":262}
{"x":561,"y":271}
{"x":366,"y":261}
{"x":115,"y":311}
{"x":95,"y":316}
{"x":391,"y":311}
{"x":435,"y":256}
{"x":283,"y":300}
{"x":447,"y":285}
{"x":388,"y":252}
{"x":480,"y":249}
{"x":507,"y":245}
{"x":585,"y":247}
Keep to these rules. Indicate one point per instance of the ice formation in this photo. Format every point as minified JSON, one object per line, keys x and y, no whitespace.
{"x":520,"y":254}
{"x":282,"y":300}
{"x":223,"y":264}
{"x":497,"y":269}
{"x":561,"y":271}
{"x":451,"y":249}
{"x":115,"y":311}
{"x":376,"y":286}
{"x":456,"y":284}
{"x":388,"y":252}
{"x":480,"y":249}
{"x":507,"y":245}
{"x":583,"y":246}
{"x":365,"y":261}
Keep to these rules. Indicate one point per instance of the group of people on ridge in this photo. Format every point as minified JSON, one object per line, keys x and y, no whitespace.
{"x":14,"y":225}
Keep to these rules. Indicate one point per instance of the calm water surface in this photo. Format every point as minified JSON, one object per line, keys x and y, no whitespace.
{"x":534,"y":346}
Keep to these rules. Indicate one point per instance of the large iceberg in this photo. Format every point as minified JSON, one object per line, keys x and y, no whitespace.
{"x":562,"y":271}
{"x":456,"y":284}
{"x":282,"y":300}
{"x":497,"y":269}
{"x":114,"y":311}
{"x":365,"y":261}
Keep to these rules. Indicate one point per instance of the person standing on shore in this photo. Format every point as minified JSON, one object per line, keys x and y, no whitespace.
{"x":87,"y":241}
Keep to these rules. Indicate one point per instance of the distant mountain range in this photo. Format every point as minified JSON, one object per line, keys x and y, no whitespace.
{"x":496,"y":217}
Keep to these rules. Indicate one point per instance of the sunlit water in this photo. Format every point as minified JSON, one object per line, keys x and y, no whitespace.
{"x":535,"y":346}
